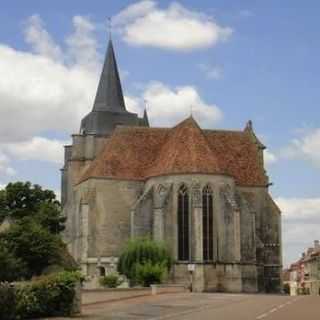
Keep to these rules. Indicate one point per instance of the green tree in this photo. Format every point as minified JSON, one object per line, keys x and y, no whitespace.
{"x":49,"y":216}
{"x":33,"y":244}
{"x":144,"y":259}
{"x":33,"y":240}
{"x":22,"y":199}
{"x":12,"y":268}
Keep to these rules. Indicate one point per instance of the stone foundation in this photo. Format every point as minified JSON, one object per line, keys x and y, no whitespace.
{"x":217,"y":277}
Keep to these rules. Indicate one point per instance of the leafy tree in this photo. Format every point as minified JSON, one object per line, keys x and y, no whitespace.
{"x":49,"y":216}
{"x":33,"y":244}
{"x":12,"y":268}
{"x":22,"y":199}
{"x":144,"y":259}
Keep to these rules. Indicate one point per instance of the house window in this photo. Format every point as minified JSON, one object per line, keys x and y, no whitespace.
{"x":207,"y":223}
{"x":183,"y":224}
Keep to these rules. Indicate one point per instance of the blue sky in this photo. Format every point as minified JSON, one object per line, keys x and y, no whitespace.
{"x":237,"y":60}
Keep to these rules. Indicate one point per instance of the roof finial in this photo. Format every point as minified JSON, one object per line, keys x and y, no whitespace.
{"x":249,"y":125}
{"x":191,"y":111}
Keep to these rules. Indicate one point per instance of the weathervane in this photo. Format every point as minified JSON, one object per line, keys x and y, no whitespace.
{"x":145,"y":103}
{"x":109,"y":26}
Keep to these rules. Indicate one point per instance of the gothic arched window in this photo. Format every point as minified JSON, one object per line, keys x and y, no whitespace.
{"x":183,"y":224}
{"x":207,"y":223}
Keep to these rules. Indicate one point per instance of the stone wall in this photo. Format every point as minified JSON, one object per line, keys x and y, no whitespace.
{"x":78,"y":157}
{"x":110,"y":203}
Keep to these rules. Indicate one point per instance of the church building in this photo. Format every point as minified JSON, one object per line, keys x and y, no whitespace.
{"x":203,"y":192}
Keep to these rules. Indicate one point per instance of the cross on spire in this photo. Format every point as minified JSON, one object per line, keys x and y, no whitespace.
{"x":191,"y":110}
{"x":109,"y":27}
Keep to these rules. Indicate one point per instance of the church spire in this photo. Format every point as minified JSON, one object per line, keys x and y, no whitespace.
{"x":145,"y":118}
{"x":109,"y":95}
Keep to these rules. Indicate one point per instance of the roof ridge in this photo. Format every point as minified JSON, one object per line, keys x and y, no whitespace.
{"x":223,"y":130}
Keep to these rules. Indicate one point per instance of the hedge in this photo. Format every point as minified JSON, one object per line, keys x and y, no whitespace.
{"x":52,"y":295}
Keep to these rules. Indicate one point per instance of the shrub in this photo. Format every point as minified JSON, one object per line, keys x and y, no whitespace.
{"x":143,"y":251}
{"x":111,"y":280}
{"x":149,"y":273}
{"x":47,"y":296}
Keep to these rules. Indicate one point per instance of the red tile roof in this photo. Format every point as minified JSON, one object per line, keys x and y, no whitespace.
{"x":138,"y":153}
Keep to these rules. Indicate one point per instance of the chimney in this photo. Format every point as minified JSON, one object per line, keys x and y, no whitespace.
{"x":317,"y":245}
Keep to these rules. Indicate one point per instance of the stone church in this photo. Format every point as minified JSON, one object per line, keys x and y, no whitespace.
{"x":203,"y":192}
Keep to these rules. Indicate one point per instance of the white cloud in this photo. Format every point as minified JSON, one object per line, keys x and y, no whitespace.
{"x":301,"y":220}
{"x":2,"y":186}
{"x":49,"y":89}
{"x":300,"y":208}
{"x":5,"y":168}
{"x":82,"y":44}
{"x":307,"y":148}
{"x":40,"y":40}
{"x":269,"y":157}
{"x":175,"y":28}
{"x":211,"y":72}
{"x":40,"y":94}
{"x":134,"y":11}
{"x":167,"y":106}
{"x":37,"y":148}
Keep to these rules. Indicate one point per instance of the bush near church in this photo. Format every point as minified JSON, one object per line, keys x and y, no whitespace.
{"x":145,"y":261}
{"x":112,"y":280}
{"x":52,"y":295}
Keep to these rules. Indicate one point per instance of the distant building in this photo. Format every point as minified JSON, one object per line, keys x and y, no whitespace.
{"x":305,"y":273}
{"x":204,"y":192}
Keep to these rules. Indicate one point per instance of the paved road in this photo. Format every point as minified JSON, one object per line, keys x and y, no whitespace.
{"x":188,"y":306}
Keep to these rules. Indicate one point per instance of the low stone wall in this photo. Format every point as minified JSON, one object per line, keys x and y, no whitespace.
{"x":91,"y":297}
{"x":161,"y":289}
{"x":111,"y":295}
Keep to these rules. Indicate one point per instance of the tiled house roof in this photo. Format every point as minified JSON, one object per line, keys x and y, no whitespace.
{"x":138,"y":153}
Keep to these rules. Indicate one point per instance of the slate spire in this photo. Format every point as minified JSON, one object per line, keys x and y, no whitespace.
{"x":109,"y":95}
{"x":145,"y":118}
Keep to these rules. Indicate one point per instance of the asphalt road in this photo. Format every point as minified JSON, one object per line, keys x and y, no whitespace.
{"x":212,"y":306}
